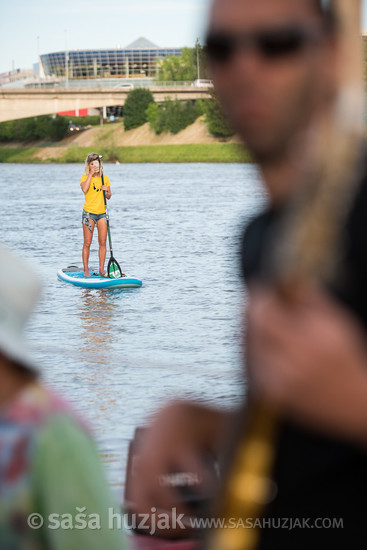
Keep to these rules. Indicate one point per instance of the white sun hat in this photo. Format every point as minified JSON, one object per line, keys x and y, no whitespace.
{"x":19,"y":291}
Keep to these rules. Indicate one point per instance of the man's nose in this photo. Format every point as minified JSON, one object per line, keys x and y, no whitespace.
{"x":246,"y":57}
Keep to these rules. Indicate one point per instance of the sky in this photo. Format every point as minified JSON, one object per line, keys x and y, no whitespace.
{"x":44,"y":26}
{"x":30,"y":28}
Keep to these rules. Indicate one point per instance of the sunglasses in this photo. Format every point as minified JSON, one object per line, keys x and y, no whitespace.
{"x":93,"y":156}
{"x":271,"y":44}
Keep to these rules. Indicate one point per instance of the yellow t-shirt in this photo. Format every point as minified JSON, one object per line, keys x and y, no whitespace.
{"x":94,"y":202}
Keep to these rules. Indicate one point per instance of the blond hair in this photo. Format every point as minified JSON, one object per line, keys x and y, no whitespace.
{"x":91,"y":158}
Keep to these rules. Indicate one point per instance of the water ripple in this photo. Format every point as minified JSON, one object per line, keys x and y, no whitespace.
{"x":117,"y":356}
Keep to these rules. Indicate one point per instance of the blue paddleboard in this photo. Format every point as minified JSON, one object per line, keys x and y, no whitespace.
{"x":75,"y":276}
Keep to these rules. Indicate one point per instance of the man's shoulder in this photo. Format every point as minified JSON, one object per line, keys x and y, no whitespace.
{"x":253,"y":241}
{"x":358,"y":211}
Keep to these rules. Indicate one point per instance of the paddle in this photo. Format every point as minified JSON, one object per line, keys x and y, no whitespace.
{"x":113,"y":268}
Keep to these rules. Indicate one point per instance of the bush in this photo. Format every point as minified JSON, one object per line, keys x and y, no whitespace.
{"x":201,"y":106}
{"x":57,"y":128}
{"x":31,"y":129}
{"x":25,"y":130}
{"x":172,"y":116}
{"x":215,"y":119}
{"x":155,"y":118}
{"x":135,"y":107}
{"x":92,"y":120}
{"x":7,"y":131}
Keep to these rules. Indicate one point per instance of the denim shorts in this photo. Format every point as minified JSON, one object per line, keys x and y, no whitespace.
{"x":87,"y":216}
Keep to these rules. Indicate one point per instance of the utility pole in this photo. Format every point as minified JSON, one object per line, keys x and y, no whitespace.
{"x":197,"y":58}
{"x":66,"y":60}
{"x":38,"y":56}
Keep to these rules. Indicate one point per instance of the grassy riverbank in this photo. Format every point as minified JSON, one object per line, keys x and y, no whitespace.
{"x":198,"y":152}
{"x":139,"y":145}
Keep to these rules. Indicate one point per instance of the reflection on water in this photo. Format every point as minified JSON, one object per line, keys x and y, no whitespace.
{"x":118,"y":355}
{"x":96,"y":313}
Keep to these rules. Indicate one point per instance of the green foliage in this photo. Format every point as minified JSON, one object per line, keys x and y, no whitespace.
{"x":136,"y":104}
{"x":92,"y":120}
{"x":78,"y":154}
{"x":204,"y":152}
{"x":25,"y":130}
{"x":184,"y":68}
{"x":171,"y":116}
{"x":178,"y":68}
{"x":201,"y":106}
{"x":73,"y":154}
{"x":32,"y":129}
{"x":23,"y":154}
{"x":215,"y":119}
{"x":7,"y":131}
{"x":58,"y":128}
{"x":155,"y":118}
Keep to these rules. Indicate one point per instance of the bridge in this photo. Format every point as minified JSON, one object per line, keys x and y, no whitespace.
{"x":28,"y":102}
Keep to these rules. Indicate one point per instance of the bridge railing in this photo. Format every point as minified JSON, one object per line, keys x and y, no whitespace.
{"x":105,"y":83}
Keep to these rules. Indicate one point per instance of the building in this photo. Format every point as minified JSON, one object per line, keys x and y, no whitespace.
{"x":15,"y":78}
{"x":138,"y":60}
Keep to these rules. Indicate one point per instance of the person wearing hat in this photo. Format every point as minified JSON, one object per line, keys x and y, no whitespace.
{"x":94,"y":210}
{"x":53,"y":493}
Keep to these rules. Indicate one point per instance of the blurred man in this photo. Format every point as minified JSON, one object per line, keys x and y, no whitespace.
{"x":274,"y":64}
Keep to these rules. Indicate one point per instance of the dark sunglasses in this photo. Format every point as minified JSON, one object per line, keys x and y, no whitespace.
{"x":270,"y":44}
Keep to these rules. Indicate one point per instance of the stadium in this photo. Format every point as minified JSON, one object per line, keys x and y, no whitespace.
{"x":137,"y":60}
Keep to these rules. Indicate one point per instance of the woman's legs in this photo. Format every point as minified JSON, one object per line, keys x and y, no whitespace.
{"x":102,"y":236}
{"x":88,"y":235}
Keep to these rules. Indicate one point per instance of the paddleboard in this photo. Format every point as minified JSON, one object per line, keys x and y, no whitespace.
{"x":75,"y":276}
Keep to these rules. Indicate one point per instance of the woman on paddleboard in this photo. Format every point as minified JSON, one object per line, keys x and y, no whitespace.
{"x":94,"y":211}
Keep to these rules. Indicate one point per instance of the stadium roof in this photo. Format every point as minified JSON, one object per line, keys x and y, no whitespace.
{"x":142,"y":43}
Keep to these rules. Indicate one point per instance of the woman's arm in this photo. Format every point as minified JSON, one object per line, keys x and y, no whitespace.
{"x":86,"y":183}
{"x":107,"y":190}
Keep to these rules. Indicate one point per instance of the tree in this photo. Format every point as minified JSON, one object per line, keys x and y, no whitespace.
{"x":154,"y":117}
{"x":215,"y":119}
{"x":25,"y":129}
{"x":135,"y":107}
{"x":184,"y":68}
{"x":34,"y":128}
{"x":58,"y":128}
{"x":172,"y":116}
{"x":7,"y":131}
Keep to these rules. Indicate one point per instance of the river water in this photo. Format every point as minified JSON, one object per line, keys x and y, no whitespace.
{"x":117,"y":356}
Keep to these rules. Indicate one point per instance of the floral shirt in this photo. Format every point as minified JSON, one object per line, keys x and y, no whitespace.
{"x":53,"y":494}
